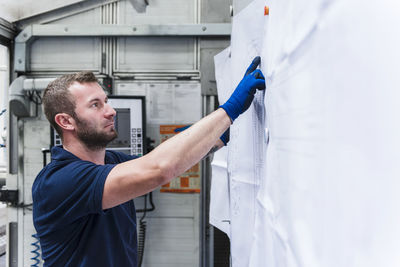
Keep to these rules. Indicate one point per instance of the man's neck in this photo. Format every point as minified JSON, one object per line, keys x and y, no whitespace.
{"x":84,"y":153}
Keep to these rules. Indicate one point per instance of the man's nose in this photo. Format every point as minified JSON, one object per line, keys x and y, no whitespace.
{"x":110,"y":111}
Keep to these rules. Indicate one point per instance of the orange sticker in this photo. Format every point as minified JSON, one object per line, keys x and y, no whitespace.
{"x":185,"y":182}
{"x":266,"y":10}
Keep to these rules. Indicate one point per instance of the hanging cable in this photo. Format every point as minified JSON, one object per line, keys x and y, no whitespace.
{"x":35,"y":251}
{"x":151,"y":203}
{"x":35,"y":97}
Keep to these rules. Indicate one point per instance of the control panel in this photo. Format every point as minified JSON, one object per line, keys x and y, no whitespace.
{"x":129,"y":122}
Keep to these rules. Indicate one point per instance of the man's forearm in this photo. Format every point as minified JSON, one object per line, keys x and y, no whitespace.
{"x":217,"y":146}
{"x":174,"y":156}
{"x":184,"y":150}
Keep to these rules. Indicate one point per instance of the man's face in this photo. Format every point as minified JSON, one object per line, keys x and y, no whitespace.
{"x":94,"y":117}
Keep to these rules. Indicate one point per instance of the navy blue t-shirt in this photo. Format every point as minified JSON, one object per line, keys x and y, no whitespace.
{"x":72,"y":227}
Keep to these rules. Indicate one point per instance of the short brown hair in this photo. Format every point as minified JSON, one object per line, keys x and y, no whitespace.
{"x":58,"y":99}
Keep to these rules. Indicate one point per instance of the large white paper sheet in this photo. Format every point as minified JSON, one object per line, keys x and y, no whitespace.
{"x":330,"y":194}
{"x":331,"y":190}
{"x":219,"y":195}
{"x":248,"y":144}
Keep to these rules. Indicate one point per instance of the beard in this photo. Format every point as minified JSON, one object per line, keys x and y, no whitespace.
{"x":92,"y":137}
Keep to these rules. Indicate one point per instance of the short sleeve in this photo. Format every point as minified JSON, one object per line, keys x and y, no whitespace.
{"x":114,"y":156}
{"x":72,"y":192}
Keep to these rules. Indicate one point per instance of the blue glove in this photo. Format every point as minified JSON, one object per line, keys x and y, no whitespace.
{"x":225,"y":137}
{"x":243,"y":95}
{"x":178,"y":130}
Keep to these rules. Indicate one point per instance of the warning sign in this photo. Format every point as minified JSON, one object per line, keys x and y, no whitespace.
{"x":188,"y":182}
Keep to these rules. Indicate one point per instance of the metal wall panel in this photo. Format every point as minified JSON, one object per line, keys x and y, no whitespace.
{"x":16,"y":10}
{"x":77,"y":54}
{"x":216,"y":11}
{"x":238,"y":5}
{"x":172,"y":246}
{"x":92,"y":16}
{"x":159,"y":12}
{"x":208,"y":49}
{"x":155,"y":54}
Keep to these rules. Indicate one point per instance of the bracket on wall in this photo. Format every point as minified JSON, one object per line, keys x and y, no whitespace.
{"x":28,"y":35}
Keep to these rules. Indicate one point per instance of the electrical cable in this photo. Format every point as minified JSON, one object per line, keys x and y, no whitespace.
{"x":22,"y":205}
{"x":35,"y":251}
{"x":35,"y":97}
{"x":151,"y":203}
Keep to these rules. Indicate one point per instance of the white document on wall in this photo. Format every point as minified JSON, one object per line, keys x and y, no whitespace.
{"x":246,"y":152}
{"x":167,"y":102}
{"x":332,"y":193}
{"x":329,"y":196}
{"x":219,"y":195}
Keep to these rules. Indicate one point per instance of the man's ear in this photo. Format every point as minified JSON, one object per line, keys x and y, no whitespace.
{"x":65,"y":121}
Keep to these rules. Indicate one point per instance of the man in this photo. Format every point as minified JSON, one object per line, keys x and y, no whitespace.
{"x":81,"y":200}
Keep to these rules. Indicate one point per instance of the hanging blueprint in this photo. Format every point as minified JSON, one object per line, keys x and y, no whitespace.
{"x":247,"y":135}
{"x":219,"y":195}
{"x":329,"y":189}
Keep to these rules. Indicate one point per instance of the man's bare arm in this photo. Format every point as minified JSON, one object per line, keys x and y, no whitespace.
{"x":170,"y":159}
{"x":174,"y":156}
{"x":217,"y":146}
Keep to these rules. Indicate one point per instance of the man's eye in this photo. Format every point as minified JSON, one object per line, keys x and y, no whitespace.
{"x":95,"y":105}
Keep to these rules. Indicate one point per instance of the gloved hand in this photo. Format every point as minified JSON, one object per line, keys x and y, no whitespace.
{"x":243,"y":95}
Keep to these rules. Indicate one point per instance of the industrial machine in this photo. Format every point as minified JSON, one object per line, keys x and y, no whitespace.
{"x":130,"y":124}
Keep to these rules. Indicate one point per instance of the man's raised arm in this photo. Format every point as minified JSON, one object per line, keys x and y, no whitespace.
{"x":173,"y":157}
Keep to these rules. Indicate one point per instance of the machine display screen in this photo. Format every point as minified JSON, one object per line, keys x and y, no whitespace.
{"x":122,"y":124}
{"x":129,"y":124}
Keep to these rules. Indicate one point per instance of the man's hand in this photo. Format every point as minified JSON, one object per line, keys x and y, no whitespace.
{"x":243,"y":95}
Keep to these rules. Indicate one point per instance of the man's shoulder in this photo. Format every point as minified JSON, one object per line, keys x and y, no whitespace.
{"x":58,"y":170}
